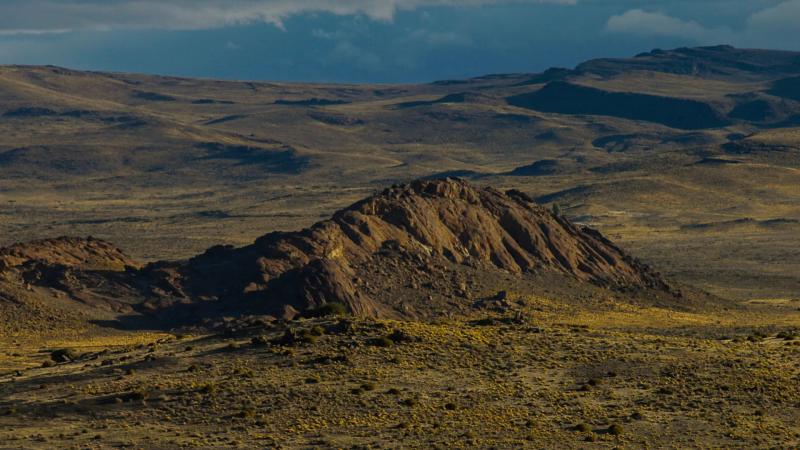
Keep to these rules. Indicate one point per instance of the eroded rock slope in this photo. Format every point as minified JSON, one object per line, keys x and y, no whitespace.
{"x":417,"y":249}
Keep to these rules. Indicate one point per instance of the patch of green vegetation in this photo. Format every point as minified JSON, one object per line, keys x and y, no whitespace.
{"x":327,"y":309}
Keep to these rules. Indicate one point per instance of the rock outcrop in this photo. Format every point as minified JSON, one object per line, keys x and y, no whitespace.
{"x":79,"y":253}
{"x":436,"y":222}
{"x":409,"y":251}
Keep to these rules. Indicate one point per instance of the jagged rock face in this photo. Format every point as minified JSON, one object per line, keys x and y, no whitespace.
{"x":422,"y":234}
{"x":447,"y":220}
{"x":510,"y":232}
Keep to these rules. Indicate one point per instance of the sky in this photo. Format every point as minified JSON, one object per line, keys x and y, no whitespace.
{"x":378,"y":41}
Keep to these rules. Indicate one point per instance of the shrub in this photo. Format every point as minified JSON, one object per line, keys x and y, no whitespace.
{"x":665,"y":391}
{"x":450,"y":406}
{"x":259,"y":341}
{"x":383,"y":341}
{"x":786,"y":335}
{"x":343,"y":326}
{"x":306,"y":336}
{"x":368,"y":386}
{"x":292,"y":337}
{"x":756,"y":337}
{"x":582,"y":427}
{"x":244,"y":373}
{"x":410,"y":402}
{"x":615,"y":429}
{"x":327,"y":309}
{"x":208,"y":388}
{"x":63,"y":355}
{"x":132,"y":396}
{"x":398,"y":336}
{"x":246,"y":414}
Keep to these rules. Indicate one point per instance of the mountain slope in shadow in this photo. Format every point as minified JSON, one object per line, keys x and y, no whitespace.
{"x":568,"y":98}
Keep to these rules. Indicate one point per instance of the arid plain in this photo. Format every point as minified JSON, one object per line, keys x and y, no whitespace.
{"x":688,"y":160}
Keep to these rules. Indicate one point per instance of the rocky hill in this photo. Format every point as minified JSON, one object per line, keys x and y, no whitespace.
{"x":64,"y":251}
{"x":58,"y":284}
{"x":417,"y":249}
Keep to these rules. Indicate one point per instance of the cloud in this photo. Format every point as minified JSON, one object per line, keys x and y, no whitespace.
{"x":776,"y":26}
{"x":42,"y":16}
{"x":783,"y":18}
{"x":644,"y":23}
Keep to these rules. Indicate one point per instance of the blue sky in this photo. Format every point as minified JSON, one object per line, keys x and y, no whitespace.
{"x":373,"y":41}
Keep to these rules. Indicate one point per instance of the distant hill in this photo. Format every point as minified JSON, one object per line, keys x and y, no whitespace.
{"x":717,"y":61}
{"x":167,"y":167}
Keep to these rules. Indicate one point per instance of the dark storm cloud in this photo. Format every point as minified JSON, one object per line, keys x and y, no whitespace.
{"x":48,"y":16}
{"x":373,"y":40}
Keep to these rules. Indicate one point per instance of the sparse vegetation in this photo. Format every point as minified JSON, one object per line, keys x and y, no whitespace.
{"x":582,"y":427}
{"x":63,"y":355}
{"x":451,"y":380}
{"x":327,"y":309}
{"x":492,"y":358}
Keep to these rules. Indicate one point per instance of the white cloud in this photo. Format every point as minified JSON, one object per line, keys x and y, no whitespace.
{"x":644,"y":23}
{"x":38,"y":16}
{"x":781,"y":19}
{"x":774,"y":26}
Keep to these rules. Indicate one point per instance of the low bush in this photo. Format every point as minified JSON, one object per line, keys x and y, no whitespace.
{"x":327,"y":309}
{"x":63,"y":355}
{"x":582,"y":427}
{"x":382,"y":341}
{"x":615,"y":429}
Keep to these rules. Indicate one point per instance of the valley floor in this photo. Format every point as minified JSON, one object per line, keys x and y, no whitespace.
{"x":540,"y":375}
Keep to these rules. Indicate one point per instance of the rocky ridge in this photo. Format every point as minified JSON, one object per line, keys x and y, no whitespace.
{"x":399,"y":243}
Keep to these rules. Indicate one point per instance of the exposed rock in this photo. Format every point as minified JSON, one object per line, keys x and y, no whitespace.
{"x":79,"y":253}
{"x":90,"y":271}
{"x":412,"y":250}
{"x":427,"y":223}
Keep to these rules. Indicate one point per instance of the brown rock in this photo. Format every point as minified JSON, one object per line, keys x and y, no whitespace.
{"x":424,"y":229}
